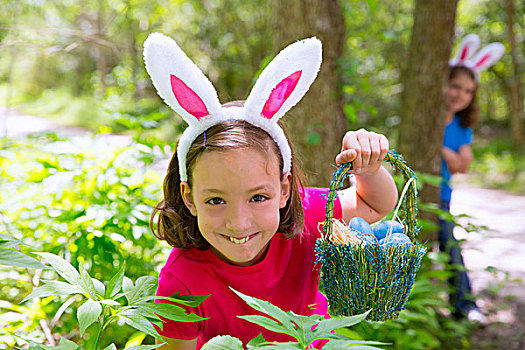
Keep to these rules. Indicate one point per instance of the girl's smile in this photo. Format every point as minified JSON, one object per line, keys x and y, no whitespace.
{"x":241,"y":240}
{"x":236,"y":195}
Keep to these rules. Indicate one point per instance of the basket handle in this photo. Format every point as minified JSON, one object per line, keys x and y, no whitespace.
{"x":410,"y":199}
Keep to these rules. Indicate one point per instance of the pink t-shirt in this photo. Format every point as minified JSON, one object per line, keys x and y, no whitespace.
{"x":286,"y":277}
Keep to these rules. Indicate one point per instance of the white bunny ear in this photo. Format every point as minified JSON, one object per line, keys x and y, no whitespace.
{"x":468,"y":46}
{"x":285,"y":80}
{"x":178,"y":80}
{"x":487,"y":56}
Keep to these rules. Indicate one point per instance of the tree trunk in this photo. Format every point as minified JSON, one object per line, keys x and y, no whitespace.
{"x":423,"y":97}
{"x":317,"y":124}
{"x":515,"y":93}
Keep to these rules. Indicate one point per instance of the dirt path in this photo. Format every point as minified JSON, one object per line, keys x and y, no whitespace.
{"x":503,"y":246}
{"x":496,"y":260}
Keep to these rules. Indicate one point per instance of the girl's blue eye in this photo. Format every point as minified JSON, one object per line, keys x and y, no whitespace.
{"x":259,"y":198}
{"x":215,"y":201}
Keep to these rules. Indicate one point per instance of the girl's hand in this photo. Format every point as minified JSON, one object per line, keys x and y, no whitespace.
{"x":365,"y":149}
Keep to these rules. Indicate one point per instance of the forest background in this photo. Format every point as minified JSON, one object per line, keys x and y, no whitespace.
{"x":80,"y":64}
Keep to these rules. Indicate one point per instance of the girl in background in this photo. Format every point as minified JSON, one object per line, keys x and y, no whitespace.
{"x":460,"y":118}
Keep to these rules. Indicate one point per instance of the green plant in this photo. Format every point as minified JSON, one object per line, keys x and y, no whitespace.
{"x":120,"y":300}
{"x":80,"y":196}
{"x":13,"y":257}
{"x":78,"y":199}
{"x":299,"y":327}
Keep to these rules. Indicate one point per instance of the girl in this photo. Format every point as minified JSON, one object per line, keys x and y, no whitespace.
{"x":461,"y":116}
{"x":234,"y":208}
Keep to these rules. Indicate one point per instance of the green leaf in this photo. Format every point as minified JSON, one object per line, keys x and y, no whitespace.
{"x":256,"y":342}
{"x":12,"y":257}
{"x":115,"y":283}
{"x":188,"y":300}
{"x":62,"y":267}
{"x":145,"y":347}
{"x":111,"y":346}
{"x":139,"y":322}
{"x":88,"y":313}
{"x":127,"y":287}
{"x":53,"y":288}
{"x":287,"y":319}
{"x":326,"y":326}
{"x":223,"y":342}
{"x":266,"y":323}
{"x":87,"y":283}
{"x":99,"y":287}
{"x":7,"y":241}
{"x":144,"y":285}
{"x":64,"y":344}
{"x":169,"y":311}
{"x":109,"y":302}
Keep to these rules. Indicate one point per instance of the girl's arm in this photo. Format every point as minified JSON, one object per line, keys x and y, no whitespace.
{"x":176,"y":344}
{"x":457,"y":162}
{"x":375,"y":192}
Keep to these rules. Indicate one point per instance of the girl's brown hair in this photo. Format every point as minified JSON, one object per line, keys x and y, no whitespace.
{"x":470,"y":115}
{"x":175,"y":223}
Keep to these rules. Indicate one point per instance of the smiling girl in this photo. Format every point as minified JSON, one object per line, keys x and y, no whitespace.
{"x":234,"y":207}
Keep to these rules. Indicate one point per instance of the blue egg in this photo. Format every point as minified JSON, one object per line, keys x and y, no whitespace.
{"x":382,"y":229}
{"x":360,"y":226}
{"x":369,"y":238}
{"x":395,"y":239}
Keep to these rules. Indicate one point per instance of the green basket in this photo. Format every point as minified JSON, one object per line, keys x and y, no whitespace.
{"x":361,"y":277}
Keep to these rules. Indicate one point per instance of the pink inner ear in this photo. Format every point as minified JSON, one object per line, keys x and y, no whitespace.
{"x":463,"y":54}
{"x":482,"y":60}
{"x":279,"y":94}
{"x":187,"y":98}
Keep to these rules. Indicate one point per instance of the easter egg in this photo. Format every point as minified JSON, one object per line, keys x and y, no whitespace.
{"x":395,"y":239}
{"x":360,"y":226}
{"x":384,"y":227}
{"x":369,"y":238}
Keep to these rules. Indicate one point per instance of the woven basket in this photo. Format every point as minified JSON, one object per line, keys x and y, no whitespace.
{"x":358,"y":277}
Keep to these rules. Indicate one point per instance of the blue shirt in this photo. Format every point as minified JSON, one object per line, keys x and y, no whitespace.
{"x":454,"y":138}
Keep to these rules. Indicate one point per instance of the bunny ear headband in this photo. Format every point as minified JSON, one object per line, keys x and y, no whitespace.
{"x":477,"y":62}
{"x":188,"y":92}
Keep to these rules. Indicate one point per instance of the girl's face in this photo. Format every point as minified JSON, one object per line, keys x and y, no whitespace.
{"x":236,"y":196}
{"x":461,"y":90}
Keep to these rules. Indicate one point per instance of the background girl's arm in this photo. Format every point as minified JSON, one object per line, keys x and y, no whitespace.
{"x":176,"y":344}
{"x":457,"y":162}
{"x":375,"y":192}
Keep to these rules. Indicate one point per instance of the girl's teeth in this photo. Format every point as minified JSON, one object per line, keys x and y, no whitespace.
{"x":239,"y":241}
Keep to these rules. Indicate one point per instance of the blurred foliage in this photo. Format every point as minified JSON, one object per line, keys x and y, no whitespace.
{"x":80,"y":199}
{"x":498,"y":164}
{"x":81,"y":62}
